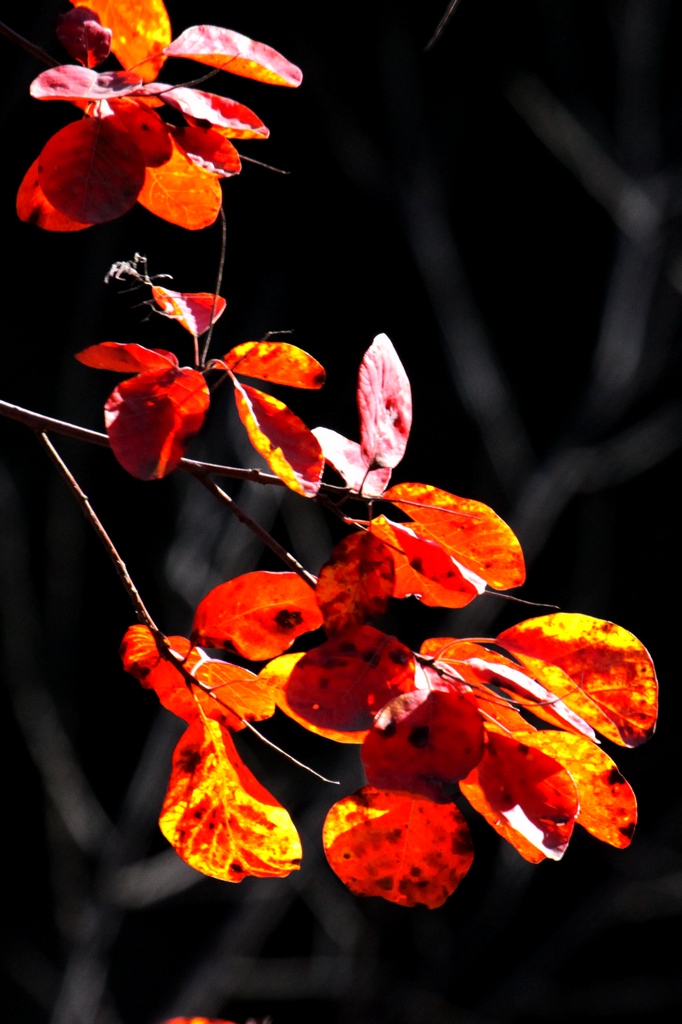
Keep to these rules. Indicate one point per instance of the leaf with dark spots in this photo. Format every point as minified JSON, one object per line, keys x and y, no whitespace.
{"x":385,"y":404}
{"x":356,"y":583}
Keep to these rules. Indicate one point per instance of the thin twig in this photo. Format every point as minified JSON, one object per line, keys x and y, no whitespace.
{"x":89,"y":513}
{"x":25,"y":44}
{"x":257,"y":529}
{"x":441,"y":24}
{"x":219,"y":280}
{"x":268,"y":167}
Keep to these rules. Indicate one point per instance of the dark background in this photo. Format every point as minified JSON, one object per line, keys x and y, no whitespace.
{"x":506,"y":207}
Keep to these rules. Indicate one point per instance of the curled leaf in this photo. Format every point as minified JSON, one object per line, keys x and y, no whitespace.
{"x":81,"y":33}
{"x":209,"y":150}
{"x":191,"y":309}
{"x":347,"y":459}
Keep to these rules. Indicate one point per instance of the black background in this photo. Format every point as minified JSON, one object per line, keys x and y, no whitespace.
{"x":506,"y":208}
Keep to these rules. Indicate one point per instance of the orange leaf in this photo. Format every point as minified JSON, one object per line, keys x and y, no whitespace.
{"x":465,"y":529}
{"x":181,"y":192}
{"x":91,"y":170}
{"x":34,"y":207}
{"x":424,"y":742}
{"x":356,"y":583}
{"x":408,"y":850}
{"x":218,"y":817}
{"x":291,"y":450}
{"x":191,"y":309}
{"x":230,"y":51}
{"x":151,"y":418}
{"x":140,"y":29}
{"x":608,"y":807}
{"x":126,"y":358}
{"x":525,"y":795}
{"x":385,"y":404}
{"x":259,"y":614}
{"x":599,"y":670}
{"x":342,"y":683}
{"x":209,"y":150}
{"x":277,"y":362}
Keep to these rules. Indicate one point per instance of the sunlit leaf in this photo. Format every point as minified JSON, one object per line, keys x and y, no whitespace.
{"x":468,"y":530}
{"x":259,"y":614}
{"x":525,"y":795}
{"x":151,"y":418}
{"x":277,"y":362}
{"x":608,"y":808}
{"x":91,"y":170}
{"x":218,"y":817}
{"x":149,"y":132}
{"x":140,"y":30}
{"x":347,"y":459}
{"x":230,"y":51}
{"x":287,"y":445}
{"x":71,"y":82}
{"x":34,"y":207}
{"x":126,"y":358}
{"x":206,"y":108}
{"x":344,"y":682}
{"x":356,"y":583}
{"x":424,"y":742}
{"x":406,"y":849}
{"x":385,"y":404}
{"x":181,"y":192}
{"x":209,"y":150}
{"x":191,"y":309}
{"x":81,"y":33}
{"x":599,"y":670}
{"x":277,"y":673}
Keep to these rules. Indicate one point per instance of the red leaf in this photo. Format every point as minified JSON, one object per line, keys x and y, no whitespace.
{"x":347,"y":459}
{"x":139,"y":31}
{"x":525,"y":795}
{"x":385,"y":404}
{"x":600,"y":671}
{"x":81,"y":33}
{"x":356,"y":583}
{"x":71,"y":82}
{"x":151,"y":418}
{"x":149,"y":132}
{"x":206,"y":108}
{"x":342,"y":683}
{"x":468,"y":530}
{"x":34,"y":207}
{"x":287,"y":445}
{"x":424,"y":742}
{"x":408,"y":850}
{"x":181,"y":192}
{"x":91,"y":170}
{"x":191,"y":309}
{"x":230,"y":51}
{"x":275,"y":361}
{"x":259,"y":614}
{"x":209,"y":150}
{"x":126,"y":358}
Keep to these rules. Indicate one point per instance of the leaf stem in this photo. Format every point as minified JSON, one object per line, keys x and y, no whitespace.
{"x":219,"y":281}
{"x":25,"y":44}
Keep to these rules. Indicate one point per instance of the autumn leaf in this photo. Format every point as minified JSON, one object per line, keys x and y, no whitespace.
{"x":259,"y":614}
{"x":356,"y":583}
{"x":81,"y":33}
{"x":208,"y":150}
{"x":274,"y":361}
{"x":181,"y":192}
{"x":598,"y":669}
{"x":385,"y":404}
{"x":230,"y":51}
{"x":126,"y":358}
{"x":407,"y":849}
{"x":140,"y":31}
{"x":151,"y":418}
{"x":287,"y":445}
{"x":71,"y":82}
{"x":277,"y":674}
{"x":34,"y":207}
{"x":347,"y":459}
{"x":149,"y":132}
{"x":202,"y":109}
{"x":195,"y":311}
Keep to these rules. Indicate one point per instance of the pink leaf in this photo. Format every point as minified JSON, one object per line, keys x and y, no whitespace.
{"x":385,"y":403}
{"x":71,"y":82}
{"x":191,"y":309}
{"x":205,"y":108}
{"x":81,"y":33}
{"x":230,"y":51}
{"x":347,"y":459}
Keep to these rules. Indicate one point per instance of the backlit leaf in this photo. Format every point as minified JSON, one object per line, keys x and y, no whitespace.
{"x":277,"y":362}
{"x":126,"y":358}
{"x":406,"y":849}
{"x":259,"y":614}
{"x":218,"y":817}
{"x":91,"y":170}
{"x":424,"y":742}
{"x":140,"y":30}
{"x":525,"y":795}
{"x":344,"y":682}
{"x":347,"y":459}
{"x":290,"y":449}
{"x":206,"y":108}
{"x":34,"y":207}
{"x":71,"y":82}
{"x":181,"y":192}
{"x":151,"y":418}
{"x":277,"y":673}
{"x":230,"y":51}
{"x":468,"y":530}
{"x":149,"y":132}
{"x":81,"y":33}
{"x":385,"y":404}
{"x":356,"y":583}
{"x":608,"y":808}
{"x":209,"y":150}
{"x":191,"y":309}
{"x":599,"y":670}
